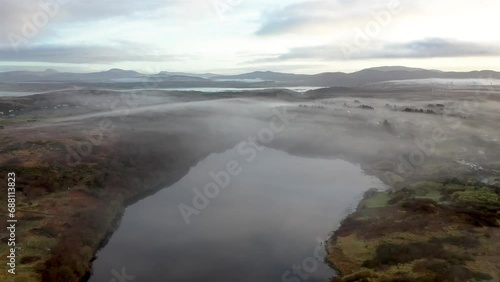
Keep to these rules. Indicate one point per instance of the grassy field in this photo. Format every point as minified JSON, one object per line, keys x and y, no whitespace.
{"x":429,"y":231}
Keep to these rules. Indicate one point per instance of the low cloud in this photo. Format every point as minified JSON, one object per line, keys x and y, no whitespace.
{"x":436,"y":48}
{"x":83,"y":55}
{"x":426,"y":48}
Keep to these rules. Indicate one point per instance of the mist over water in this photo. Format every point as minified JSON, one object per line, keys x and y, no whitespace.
{"x":15,"y":94}
{"x":267,"y":220}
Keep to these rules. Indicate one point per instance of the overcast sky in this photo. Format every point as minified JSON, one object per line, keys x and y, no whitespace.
{"x":234,"y":36}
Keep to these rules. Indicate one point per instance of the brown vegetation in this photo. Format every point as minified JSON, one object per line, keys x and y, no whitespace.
{"x":419,"y":239}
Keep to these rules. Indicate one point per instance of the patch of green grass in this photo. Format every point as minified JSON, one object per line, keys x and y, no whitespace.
{"x":482,"y":196}
{"x":456,"y":187}
{"x":379,"y":200}
{"x":392,"y":178}
{"x":427,"y":184}
{"x":433,"y":194}
{"x":17,"y":120}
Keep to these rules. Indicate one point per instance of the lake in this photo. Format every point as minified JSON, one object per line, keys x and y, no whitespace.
{"x":301,"y":89}
{"x":267,"y":222}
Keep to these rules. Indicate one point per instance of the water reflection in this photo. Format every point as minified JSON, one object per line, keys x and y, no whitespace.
{"x":262,"y":225}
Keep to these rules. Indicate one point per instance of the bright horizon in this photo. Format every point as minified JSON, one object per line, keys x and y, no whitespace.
{"x":232,"y":37}
{"x":221,"y":73}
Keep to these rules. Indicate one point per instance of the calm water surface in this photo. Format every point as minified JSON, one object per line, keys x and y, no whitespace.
{"x":267,"y":220}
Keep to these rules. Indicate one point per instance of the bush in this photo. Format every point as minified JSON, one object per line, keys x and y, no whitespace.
{"x":421,"y":205}
{"x":60,"y":273}
{"x":444,"y":271}
{"x":46,"y":231}
{"x":460,"y":241}
{"x":393,"y":254}
{"x":483,"y":196}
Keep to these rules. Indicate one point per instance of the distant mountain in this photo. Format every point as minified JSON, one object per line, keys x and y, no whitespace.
{"x":183,"y":78}
{"x":55,"y":76}
{"x":264,"y":76}
{"x":395,"y":68}
{"x":254,"y":79}
{"x":112,"y":74}
{"x":362,"y":77}
{"x":202,"y":75}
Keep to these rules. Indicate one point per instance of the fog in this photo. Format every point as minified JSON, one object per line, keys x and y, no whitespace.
{"x":364,"y":125}
{"x":143,"y":141}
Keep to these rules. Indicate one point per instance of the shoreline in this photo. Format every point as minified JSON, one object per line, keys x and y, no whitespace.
{"x":118,"y":217}
{"x":358,"y":255}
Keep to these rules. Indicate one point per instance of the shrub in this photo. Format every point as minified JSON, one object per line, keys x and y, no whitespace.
{"x":394,"y":254}
{"x":482,"y":196}
{"x":420,"y":205}
{"x":460,"y":241}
